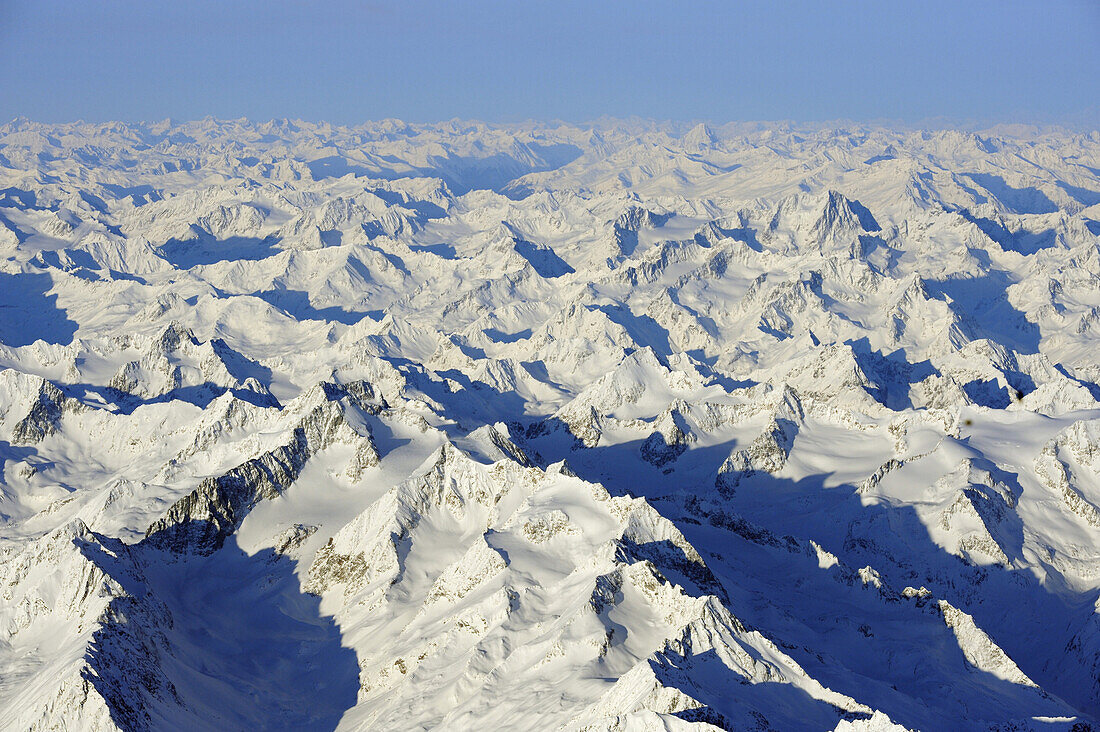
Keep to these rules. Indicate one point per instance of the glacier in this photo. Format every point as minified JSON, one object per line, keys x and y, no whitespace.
{"x":623,"y":426}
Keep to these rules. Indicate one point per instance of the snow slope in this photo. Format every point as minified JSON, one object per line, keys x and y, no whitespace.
{"x":631,"y":426}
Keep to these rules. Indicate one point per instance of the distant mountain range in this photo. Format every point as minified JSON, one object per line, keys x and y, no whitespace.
{"x":630,"y":426}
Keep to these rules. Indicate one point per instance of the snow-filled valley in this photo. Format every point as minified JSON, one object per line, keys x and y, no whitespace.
{"x":629,"y":426}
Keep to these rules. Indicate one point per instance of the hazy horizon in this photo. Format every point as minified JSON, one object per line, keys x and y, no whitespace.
{"x":345,"y":62}
{"x":1079,"y":124}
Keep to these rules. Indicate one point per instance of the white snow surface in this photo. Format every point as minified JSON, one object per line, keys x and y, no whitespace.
{"x":626,"y":426}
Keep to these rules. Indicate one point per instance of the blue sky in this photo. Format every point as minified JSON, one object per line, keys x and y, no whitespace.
{"x":423,"y":60}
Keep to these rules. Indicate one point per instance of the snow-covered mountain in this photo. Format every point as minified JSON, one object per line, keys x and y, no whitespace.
{"x":629,"y":426}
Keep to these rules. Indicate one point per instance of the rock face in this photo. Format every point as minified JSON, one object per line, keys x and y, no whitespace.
{"x":202,"y":520}
{"x":632,"y":427}
{"x":43,"y":419}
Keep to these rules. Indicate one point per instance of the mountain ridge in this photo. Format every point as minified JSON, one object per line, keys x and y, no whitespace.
{"x":630,"y":426}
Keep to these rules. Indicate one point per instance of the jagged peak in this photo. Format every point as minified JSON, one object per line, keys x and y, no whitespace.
{"x":700,"y":137}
